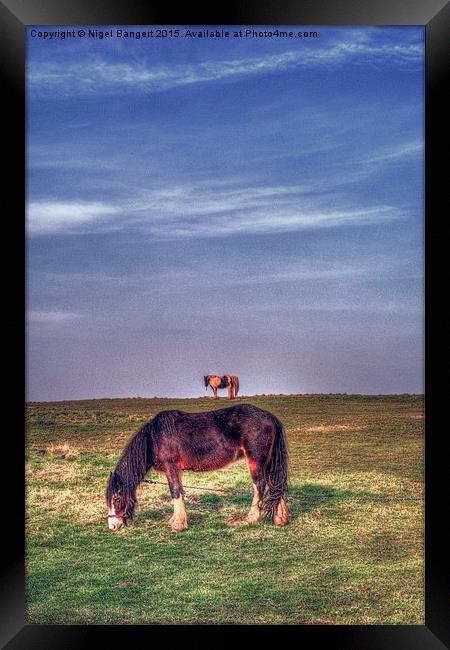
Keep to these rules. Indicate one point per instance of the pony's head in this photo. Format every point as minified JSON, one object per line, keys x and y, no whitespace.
{"x":120,"y":502}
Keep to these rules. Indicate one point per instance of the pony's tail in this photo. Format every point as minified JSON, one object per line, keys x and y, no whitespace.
{"x":277,"y":475}
{"x":206,"y":380}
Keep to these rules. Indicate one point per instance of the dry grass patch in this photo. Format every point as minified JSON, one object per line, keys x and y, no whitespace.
{"x":335,"y":427}
{"x":62,"y":450}
{"x":48,"y":499}
{"x":85,"y":507}
{"x":54,"y":472}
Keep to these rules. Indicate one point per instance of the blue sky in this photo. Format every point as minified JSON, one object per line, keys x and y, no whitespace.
{"x":252,"y":206}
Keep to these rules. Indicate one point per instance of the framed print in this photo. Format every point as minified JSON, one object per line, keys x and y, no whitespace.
{"x":230,"y":283}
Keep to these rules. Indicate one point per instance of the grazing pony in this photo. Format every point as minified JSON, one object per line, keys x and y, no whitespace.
{"x":231,"y":382}
{"x":174,"y":441}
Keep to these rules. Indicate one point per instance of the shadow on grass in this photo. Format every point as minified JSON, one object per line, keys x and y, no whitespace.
{"x":310,"y":496}
{"x":152,"y":514}
{"x":300,"y":499}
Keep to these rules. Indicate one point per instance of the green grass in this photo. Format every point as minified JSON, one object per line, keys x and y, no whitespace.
{"x":347,"y":557}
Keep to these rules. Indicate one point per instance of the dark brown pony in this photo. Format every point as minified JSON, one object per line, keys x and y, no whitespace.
{"x":231,"y":382}
{"x":175,"y":441}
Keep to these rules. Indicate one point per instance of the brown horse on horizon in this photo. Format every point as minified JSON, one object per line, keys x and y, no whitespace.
{"x":231,"y":382}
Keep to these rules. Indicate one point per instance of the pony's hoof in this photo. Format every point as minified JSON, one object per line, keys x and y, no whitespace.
{"x":281,"y":516}
{"x":253,"y":520}
{"x":280,"y":522}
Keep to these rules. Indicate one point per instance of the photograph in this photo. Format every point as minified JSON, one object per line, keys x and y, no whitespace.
{"x":225,"y":313}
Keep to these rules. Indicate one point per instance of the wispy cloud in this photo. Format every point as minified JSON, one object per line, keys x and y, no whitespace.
{"x":48,"y":217}
{"x":275,"y":221}
{"x":102,"y":76}
{"x":52,"y":317}
{"x":195,"y":211}
{"x":393,"y":153}
{"x":190,"y":211}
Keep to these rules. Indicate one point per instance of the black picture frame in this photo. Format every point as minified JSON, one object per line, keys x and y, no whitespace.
{"x":15,"y":16}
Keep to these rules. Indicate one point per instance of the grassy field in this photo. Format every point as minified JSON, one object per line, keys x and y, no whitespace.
{"x":352,"y":554}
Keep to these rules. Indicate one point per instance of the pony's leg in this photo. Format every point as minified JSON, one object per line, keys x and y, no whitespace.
{"x":259,"y":486}
{"x":230,"y":391}
{"x":178,"y":520}
{"x":215,"y":392}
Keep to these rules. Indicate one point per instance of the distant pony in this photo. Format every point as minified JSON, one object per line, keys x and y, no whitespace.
{"x":231,"y":382}
{"x":174,"y":441}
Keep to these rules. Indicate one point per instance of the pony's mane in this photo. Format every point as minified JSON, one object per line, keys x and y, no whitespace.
{"x":132,"y":467}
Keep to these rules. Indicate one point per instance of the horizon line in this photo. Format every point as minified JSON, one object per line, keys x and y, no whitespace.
{"x":241,"y":397}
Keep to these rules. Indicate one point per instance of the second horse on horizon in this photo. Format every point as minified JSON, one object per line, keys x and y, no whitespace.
{"x":231,"y":382}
